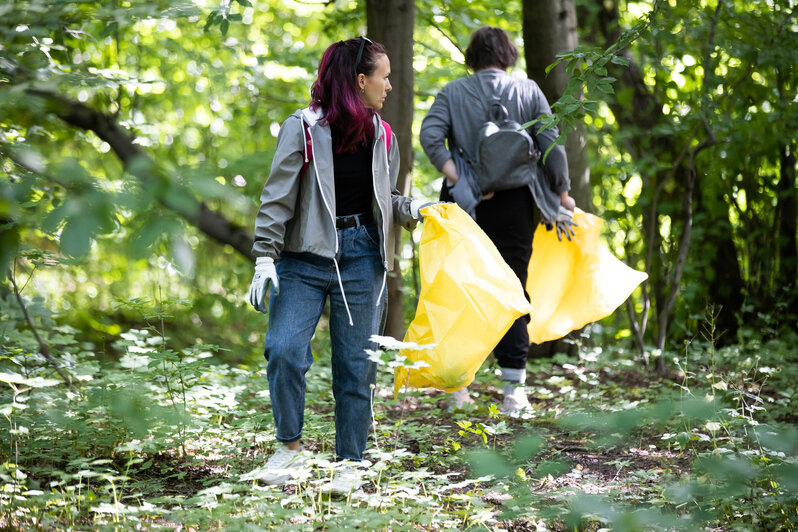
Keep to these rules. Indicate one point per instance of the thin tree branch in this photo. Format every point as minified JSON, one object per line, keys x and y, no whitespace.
{"x":639,"y":340}
{"x":43,"y":348}
{"x":640,"y":31}
{"x":687,"y":204}
{"x":448,"y":37}
{"x":137,"y":162}
{"x":28,"y":168}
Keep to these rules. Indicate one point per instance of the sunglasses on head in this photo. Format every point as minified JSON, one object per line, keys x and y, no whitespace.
{"x":363,"y":41}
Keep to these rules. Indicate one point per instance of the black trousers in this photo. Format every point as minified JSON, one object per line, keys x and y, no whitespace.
{"x":508,"y":220}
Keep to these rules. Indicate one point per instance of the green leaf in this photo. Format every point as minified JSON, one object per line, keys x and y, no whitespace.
{"x":527,"y":447}
{"x":554,"y":468}
{"x":76,"y":236}
{"x":55,"y":218}
{"x":605,"y":88}
{"x":484,"y":463}
{"x":210,"y":21}
{"x":620,"y":60}
{"x":143,"y":239}
{"x":72,"y":173}
{"x":553,"y":65}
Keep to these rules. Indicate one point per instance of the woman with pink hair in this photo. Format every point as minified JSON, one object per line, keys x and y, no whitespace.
{"x":325,"y":230}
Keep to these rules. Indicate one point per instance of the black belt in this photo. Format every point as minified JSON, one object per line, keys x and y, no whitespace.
{"x":353,"y":220}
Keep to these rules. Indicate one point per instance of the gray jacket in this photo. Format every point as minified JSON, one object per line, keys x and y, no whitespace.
{"x":297,"y":213}
{"x":459,"y":111}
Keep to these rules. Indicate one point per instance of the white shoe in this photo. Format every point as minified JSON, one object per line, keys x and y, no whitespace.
{"x":347,"y":477}
{"x":459,"y":400}
{"x":515,"y":401}
{"x":283,"y":465}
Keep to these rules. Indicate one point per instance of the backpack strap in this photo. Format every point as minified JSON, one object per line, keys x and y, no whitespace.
{"x":309,"y":117}
{"x":308,"y":148}
{"x":387,"y":139}
{"x":495,"y":110}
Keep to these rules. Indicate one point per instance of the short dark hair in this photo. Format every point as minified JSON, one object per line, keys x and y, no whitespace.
{"x":490,"y":46}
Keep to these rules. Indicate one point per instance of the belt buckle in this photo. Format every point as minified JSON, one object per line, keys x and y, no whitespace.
{"x":350,"y":220}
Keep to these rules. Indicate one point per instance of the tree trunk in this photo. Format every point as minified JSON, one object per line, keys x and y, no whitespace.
{"x":549,"y":29}
{"x":725,"y":278}
{"x":390,"y":22}
{"x":787,"y":213}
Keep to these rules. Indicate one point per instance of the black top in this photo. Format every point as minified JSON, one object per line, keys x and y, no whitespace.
{"x":354,"y":187}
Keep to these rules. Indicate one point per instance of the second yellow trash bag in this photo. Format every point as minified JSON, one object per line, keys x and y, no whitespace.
{"x":469,"y":298}
{"x":574,"y":283}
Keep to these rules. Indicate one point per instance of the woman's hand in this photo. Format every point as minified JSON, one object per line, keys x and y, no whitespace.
{"x":567,"y":201}
{"x":449,"y":171}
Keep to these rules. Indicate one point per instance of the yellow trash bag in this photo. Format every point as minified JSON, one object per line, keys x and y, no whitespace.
{"x":469,"y":298}
{"x":573,"y":283}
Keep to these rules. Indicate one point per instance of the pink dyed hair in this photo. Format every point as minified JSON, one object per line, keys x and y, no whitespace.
{"x":336,"y":92}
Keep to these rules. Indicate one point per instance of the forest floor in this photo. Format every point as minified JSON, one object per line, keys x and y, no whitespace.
{"x":162,"y":439}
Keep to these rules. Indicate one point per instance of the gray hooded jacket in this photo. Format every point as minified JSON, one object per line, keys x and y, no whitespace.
{"x":458,"y":113}
{"x":297,"y":213}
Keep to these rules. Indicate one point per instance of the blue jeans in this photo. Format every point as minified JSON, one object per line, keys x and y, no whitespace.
{"x":306,"y":280}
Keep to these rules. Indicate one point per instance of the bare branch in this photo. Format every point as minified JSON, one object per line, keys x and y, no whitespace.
{"x":448,"y":37}
{"x":43,"y":348}
{"x":687,"y":203}
{"x":197,"y":213}
{"x":639,"y":341}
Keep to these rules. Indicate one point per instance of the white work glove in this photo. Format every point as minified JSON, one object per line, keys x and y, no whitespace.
{"x":265,"y":273}
{"x":417,"y":204}
{"x":564,"y":223}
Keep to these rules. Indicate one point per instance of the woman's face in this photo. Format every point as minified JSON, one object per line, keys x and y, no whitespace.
{"x":374,"y":88}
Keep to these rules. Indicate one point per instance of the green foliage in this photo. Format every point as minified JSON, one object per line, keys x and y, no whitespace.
{"x":173,"y":434}
{"x":713,"y":74}
{"x":169,"y":419}
{"x":203,"y":89}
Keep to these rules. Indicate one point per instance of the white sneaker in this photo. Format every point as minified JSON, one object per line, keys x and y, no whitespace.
{"x":347,"y":477}
{"x":459,"y":400}
{"x":283,"y":465}
{"x":515,"y":401}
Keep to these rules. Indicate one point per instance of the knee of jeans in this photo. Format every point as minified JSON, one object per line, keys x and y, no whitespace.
{"x":287,"y":353}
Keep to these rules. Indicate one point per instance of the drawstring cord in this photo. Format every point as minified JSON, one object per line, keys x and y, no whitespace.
{"x":341,"y":284}
{"x":382,"y":288}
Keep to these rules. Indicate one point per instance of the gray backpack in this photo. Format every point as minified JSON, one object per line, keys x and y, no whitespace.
{"x":506,"y":156}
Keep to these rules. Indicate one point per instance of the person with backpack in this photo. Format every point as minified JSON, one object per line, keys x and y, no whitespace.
{"x":325,"y":230}
{"x":470,"y":113}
